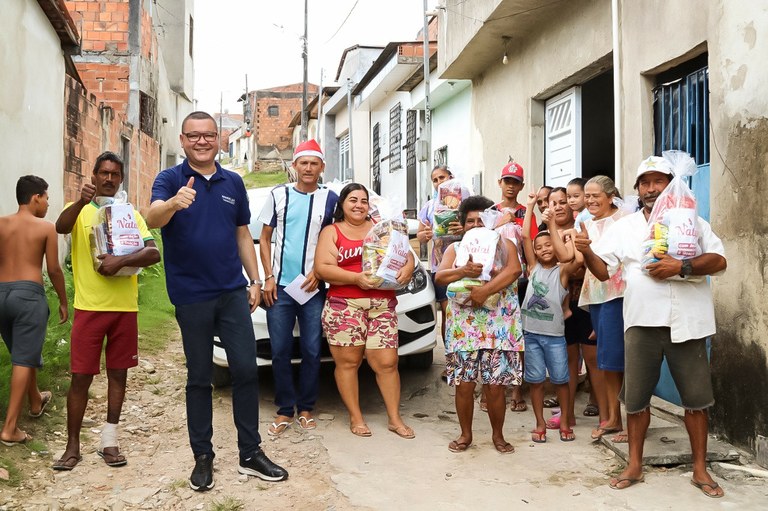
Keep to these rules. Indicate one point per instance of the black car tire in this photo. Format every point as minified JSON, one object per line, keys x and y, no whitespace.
{"x":420,"y":360}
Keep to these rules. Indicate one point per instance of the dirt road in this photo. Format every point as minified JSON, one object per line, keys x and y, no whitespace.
{"x":330,"y":469}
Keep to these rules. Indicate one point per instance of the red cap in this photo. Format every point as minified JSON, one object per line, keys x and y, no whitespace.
{"x":308,"y":148}
{"x":512,"y":169}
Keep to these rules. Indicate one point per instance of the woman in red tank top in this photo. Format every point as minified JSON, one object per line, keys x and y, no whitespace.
{"x":358,"y":318}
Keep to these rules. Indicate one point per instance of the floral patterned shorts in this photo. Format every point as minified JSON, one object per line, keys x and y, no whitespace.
{"x":486,"y":366}
{"x":369,"y":322}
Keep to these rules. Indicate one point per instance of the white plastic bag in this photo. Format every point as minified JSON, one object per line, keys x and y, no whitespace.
{"x":672,"y":224}
{"x":450,"y":193}
{"x":386,"y":246}
{"x":115,"y":232}
{"x":484,"y":245}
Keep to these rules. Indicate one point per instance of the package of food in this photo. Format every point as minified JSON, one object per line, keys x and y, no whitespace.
{"x":386,"y":248}
{"x":450,"y":193}
{"x":672,"y":224}
{"x":115,"y":231}
{"x":484,"y":244}
{"x":460,"y":290}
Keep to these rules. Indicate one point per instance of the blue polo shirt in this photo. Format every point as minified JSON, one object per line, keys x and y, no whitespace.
{"x":200,"y":243}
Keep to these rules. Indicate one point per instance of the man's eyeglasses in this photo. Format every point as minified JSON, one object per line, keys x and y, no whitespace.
{"x":195,"y":137}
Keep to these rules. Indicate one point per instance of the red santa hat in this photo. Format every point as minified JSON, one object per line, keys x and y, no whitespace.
{"x":308,"y":148}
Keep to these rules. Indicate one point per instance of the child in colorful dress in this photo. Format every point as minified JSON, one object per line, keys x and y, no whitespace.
{"x":544,"y":324}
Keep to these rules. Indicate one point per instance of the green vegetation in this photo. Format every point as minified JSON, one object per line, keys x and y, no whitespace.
{"x":262,"y":179}
{"x":228,"y":504}
{"x":156,"y":328}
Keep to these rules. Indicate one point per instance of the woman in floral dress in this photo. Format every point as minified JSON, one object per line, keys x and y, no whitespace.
{"x":482,"y":344}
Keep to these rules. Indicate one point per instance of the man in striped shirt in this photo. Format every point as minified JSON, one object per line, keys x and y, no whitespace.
{"x":295,"y":213}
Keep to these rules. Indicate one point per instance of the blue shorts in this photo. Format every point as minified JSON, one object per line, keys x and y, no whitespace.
{"x":608,"y":321}
{"x":545,"y":353}
{"x":440,"y":291}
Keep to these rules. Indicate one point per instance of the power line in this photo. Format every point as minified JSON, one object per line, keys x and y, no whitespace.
{"x":343,"y":22}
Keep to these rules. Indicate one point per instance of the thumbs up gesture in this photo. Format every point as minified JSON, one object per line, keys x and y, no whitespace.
{"x":185,"y":196}
{"x":581,"y":240}
{"x":472,"y":269}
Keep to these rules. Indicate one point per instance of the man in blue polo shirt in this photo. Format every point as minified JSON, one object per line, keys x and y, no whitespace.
{"x":203,"y":211}
{"x":296,"y":213}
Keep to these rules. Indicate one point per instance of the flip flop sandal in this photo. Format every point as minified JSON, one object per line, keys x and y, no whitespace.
{"x":455,"y":446}
{"x":46,"y":398}
{"x":278,"y":428}
{"x":402,"y":431}
{"x":518,"y":406}
{"x":591,"y":410}
{"x":361,"y":430}
{"x":11,"y":443}
{"x":306,"y":423}
{"x":615,"y":484}
{"x":713,"y":486}
{"x":118,"y":460}
{"x":551,"y":403}
{"x":63,"y":463}
{"x":539,"y":437}
{"x":566,"y":435}
{"x":504,"y":448}
{"x":599,"y":432}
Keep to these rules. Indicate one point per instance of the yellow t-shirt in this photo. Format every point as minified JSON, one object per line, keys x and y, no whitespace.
{"x":93,"y":291}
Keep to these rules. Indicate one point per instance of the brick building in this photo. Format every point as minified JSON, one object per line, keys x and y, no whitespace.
{"x":273,"y":109}
{"x":229,"y":123}
{"x":127,"y":100}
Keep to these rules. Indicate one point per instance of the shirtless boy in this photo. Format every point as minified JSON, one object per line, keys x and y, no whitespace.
{"x":25,"y":238}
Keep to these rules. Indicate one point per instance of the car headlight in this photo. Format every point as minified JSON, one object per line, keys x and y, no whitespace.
{"x":418,"y":281}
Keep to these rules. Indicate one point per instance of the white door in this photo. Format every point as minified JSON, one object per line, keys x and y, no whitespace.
{"x":562,"y":148}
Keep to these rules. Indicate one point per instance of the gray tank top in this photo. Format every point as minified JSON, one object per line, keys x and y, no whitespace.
{"x":543,"y":304}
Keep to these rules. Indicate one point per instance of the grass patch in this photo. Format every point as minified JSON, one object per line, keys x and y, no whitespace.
{"x":228,"y":504}
{"x":14,"y":474}
{"x":262,"y":179}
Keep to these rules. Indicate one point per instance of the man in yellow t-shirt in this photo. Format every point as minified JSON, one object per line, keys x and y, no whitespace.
{"x":106,"y":305}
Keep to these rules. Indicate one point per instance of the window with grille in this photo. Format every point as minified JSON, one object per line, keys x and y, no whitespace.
{"x":345,"y":172}
{"x":441,"y":156}
{"x":410,"y":141}
{"x":395,"y":138}
{"x":376,"y":160}
{"x":147,"y":114}
{"x":681,"y":115}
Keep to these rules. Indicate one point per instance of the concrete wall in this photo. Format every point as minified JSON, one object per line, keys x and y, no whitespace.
{"x":361,"y":141}
{"x":508,"y":100}
{"x":738,"y":52}
{"x":173,"y":37}
{"x":451,"y":127}
{"x":31,"y":104}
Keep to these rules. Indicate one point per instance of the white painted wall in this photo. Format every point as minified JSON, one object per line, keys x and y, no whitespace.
{"x":31,"y":103}
{"x":451,"y":127}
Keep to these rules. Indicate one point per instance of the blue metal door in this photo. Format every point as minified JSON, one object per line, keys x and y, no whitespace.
{"x":681,"y":121}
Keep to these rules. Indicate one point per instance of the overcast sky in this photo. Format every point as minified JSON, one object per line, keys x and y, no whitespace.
{"x":238,"y":37}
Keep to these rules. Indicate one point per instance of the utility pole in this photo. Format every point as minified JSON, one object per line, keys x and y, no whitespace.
{"x":427,"y":132}
{"x":218,"y":145}
{"x":304,"y":116}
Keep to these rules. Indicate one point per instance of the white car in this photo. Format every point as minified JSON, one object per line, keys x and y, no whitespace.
{"x":415,"y":313}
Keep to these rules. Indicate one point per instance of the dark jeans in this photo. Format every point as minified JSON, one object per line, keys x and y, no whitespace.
{"x":281,"y":318}
{"x":227,"y":316}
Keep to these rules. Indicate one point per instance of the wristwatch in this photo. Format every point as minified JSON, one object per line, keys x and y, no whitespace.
{"x":255,"y":283}
{"x":686,"y":268}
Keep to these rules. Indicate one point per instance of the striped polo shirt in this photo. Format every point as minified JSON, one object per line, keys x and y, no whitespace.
{"x":297,"y":219}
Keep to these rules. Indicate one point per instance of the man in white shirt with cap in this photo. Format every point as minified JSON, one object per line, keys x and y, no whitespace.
{"x":666,"y":314}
